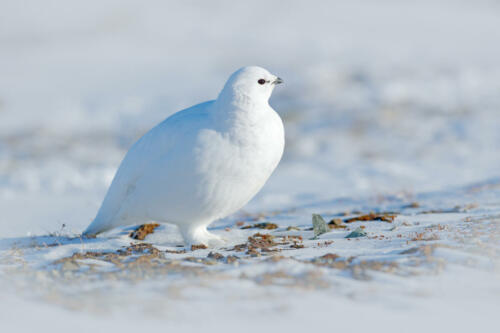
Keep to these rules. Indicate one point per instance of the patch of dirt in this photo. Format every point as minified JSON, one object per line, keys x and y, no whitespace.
{"x":336,"y":224}
{"x":239,"y":247}
{"x":331,"y":260}
{"x":412,"y":205}
{"x":330,"y":257}
{"x":143,"y":230}
{"x":385,"y":217}
{"x":262,"y":242}
{"x":263,"y":225}
{"x":140,"y":248}
{"x":231,"y":259}
{"x":358,"y":269}
{"x":131,"y":256}
{"x":176,"y":251}
{"x":292,"y":228}
{"x":215,"y":255}
{"x":259,"y":244}
{"x":198,"y":247}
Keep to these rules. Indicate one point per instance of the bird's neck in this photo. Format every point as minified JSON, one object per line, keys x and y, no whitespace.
{"x":238,"y":109}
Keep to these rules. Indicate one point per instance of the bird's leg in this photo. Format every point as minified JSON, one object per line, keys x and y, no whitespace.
{"x":196,"y":235}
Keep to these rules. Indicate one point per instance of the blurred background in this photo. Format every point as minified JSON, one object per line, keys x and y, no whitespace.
{"x":380,"y":97}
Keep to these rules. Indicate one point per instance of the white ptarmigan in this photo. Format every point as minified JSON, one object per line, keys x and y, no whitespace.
{"x":200,"y":164}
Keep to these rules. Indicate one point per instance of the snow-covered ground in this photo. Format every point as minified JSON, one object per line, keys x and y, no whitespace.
{"x":385,"y":103}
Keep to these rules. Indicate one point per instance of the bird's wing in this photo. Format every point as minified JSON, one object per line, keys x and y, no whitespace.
{"x":155,"y":143}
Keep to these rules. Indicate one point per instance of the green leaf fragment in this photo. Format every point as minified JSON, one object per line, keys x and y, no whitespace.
{"x":319,"y":225}
{"x":357,"y":233}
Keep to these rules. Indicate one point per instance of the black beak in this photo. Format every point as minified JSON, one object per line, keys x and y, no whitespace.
{"x":278,"y":80}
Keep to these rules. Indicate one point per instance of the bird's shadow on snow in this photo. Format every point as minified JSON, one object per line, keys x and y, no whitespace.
{"x":45,"y":241}
{"x":61,"y":239}
{"x":165,"y":235}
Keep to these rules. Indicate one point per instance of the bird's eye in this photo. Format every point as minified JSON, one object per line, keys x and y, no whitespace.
{"x":261,"y":81}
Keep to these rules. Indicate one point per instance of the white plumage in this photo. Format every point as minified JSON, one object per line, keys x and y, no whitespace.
{"x":200,"y":164}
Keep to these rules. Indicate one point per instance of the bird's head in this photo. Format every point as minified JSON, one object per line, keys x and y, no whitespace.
{"x":250,"y":84}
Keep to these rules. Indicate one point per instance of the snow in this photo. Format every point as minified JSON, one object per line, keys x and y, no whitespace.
{"x":385,"y":104}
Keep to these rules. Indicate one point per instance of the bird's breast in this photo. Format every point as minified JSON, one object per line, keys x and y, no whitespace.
{"x":233,"y":165}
